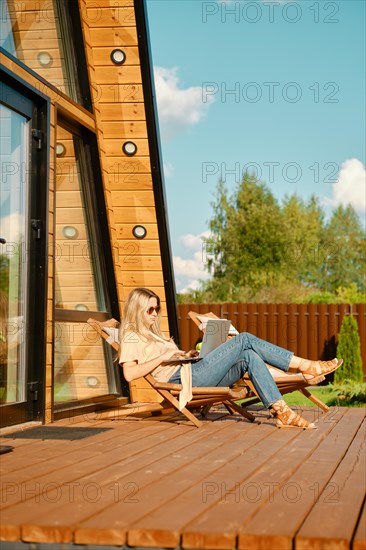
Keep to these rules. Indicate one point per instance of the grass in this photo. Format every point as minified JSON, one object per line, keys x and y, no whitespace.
{"x":324,"y":393}
{"x":340,"y":395}
{"x":345,"y":395}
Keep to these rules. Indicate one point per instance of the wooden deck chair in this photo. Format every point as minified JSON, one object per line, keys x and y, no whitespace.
{"x":163,"y":397}
{"x":286,"y":383}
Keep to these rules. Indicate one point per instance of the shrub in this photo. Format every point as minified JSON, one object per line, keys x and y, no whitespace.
{"x":349,"y":393}
{"x":349,"y":349}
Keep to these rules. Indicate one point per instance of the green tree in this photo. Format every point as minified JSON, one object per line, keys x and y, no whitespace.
{"x":304,"y":228}
{"x":261,"y":251}
{"x":4,"y":273}
{"x":349,"y":349}
{"x":342,"y":259}
{"x":247,"y":247}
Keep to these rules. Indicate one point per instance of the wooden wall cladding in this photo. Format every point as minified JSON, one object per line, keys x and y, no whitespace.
{"x":120,"y":115}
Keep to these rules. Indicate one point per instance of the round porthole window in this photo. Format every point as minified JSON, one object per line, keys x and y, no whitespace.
{"x":81,"y":307}
{"x":129,"y":148}
{"x":139,"y":232}
{"x":92,"y":381}
{"x":70,"y":232}
{"x":44,"y":59}
{"x":118,"y":56}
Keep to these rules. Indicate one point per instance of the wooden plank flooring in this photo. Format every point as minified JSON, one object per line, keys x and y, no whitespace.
{"x":228,"y":485}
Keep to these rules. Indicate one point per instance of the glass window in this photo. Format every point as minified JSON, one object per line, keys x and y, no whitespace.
{"x":43,"y":35}
{"x":83,"y":364}
{"x":80,"y":364}
{"x":79,"y":284}
{"x":14,"y":152}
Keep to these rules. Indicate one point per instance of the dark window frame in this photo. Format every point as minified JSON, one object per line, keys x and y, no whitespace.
{"x":33,"y":407}
{"x":73,"y":45}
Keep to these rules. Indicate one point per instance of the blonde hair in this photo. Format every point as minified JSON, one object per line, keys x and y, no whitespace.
{"x":133,"y":318}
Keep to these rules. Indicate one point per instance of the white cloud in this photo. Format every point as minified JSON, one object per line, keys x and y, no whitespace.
{"x":350,"y":188}
{"x":178,"y":108}
{"x":192,"y":267}
{"x":168,"y":169}
{"x":12,"y":229}
{"x":189,"y":271}
{"x":193,"y":285}
{"x":194,"y":242}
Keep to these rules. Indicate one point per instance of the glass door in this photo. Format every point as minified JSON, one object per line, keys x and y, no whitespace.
{"x":22,"y":256}
{"x":14,"y":153}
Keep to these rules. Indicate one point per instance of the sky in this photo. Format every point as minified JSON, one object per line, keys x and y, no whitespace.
{"x":273,"y":87}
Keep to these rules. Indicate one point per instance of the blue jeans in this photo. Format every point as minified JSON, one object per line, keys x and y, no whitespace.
{"x":242,"y":354}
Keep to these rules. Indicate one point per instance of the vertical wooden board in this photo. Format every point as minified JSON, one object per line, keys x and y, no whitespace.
{"x":282,"y":323}
{"x":262,"y":321}
{"x":303,"y":332}
{"x":313,"y":331}
{"x":245,"y":318}
{"x":272,"y":323}
{"x":287,"y":317}
{"x":183,"y":324}
{"x":240,"y":326}
{"x":232,"y":314}
{"x":323,"y":330}
{"x":194,"y":334}
{"x":252,"y":322}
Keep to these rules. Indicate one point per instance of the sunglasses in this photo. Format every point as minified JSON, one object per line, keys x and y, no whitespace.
{"x":151,"y":309}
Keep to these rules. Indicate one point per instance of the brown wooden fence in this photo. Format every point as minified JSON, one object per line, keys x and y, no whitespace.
{"x":308,"y":330}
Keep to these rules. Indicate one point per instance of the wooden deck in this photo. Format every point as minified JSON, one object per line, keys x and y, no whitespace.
{"x":229,"y":484}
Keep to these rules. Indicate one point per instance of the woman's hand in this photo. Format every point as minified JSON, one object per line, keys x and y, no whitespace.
{"x":178,"y":354}
{"x":192,"y":353}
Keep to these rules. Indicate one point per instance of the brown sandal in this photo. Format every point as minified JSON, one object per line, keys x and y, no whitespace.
{"x":287,"y":418}
{"x":320,"y":368}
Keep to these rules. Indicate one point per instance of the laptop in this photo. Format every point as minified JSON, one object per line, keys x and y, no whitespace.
{"x":215,"y":334}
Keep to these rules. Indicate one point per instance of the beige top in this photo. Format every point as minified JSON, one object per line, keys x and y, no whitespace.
{"x":135,"y":348}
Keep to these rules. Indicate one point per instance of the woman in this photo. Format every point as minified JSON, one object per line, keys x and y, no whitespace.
{"x":144,"y":348}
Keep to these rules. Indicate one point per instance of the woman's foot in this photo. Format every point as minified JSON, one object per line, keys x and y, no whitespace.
{"x":314,"y":369}
{"x":287,"y":418}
